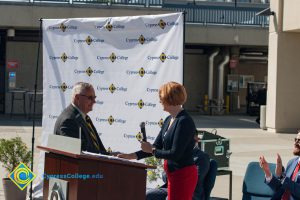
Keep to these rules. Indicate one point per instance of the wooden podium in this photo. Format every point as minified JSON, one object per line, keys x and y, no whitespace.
{"x":121,"y":180}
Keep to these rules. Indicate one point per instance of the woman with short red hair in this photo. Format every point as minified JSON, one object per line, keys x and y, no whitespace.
{"x":174,"y":144}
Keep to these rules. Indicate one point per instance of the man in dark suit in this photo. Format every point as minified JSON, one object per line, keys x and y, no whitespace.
{"x":74,"y":121}
{"x":285,"y":183}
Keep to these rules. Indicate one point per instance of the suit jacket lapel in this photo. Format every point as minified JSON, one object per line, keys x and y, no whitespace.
{"x":292,"y":168}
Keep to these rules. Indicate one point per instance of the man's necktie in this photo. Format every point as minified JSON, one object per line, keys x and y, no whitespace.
{"x":92,"y":132}
{"x":286,"y":195}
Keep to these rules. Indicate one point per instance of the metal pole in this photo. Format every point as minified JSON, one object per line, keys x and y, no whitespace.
{"x":34,"y":101}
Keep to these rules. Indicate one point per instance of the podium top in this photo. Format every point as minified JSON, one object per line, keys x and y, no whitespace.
{"x":97,"y":157}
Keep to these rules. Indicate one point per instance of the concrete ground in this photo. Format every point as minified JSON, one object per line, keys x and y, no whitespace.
{"x":247,"y":143}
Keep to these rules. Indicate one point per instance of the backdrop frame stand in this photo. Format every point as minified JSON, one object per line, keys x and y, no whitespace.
{"x":34,"y":102}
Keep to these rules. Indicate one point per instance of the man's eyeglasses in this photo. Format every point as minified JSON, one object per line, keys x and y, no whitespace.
{"x":297,"y":140}
{"x":92,"y":98}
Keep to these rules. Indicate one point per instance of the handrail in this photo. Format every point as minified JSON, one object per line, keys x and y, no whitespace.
{"x":220,"y":13}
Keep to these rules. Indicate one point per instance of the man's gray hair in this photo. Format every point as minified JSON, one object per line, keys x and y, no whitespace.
{"x":79,"y":88}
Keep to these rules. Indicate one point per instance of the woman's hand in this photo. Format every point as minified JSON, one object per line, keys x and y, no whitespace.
{"x":265,"y":166}
{"x":128,"y":156}
{"x":278,"y":170}
{"x":146,"y":147}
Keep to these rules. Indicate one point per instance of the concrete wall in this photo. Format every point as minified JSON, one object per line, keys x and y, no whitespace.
{"x":291,"y":17}
{"x":226,"y":35}
{"x":195,"y":78}
{"x":283,"y":79}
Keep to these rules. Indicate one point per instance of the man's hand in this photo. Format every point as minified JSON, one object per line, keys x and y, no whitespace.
{"x":146,"y":147}
{"x":265,"y":166}
{"x":278,"y":170}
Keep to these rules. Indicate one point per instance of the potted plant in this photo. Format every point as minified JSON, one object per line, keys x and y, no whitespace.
{"x":154,"y":174}
{"x":12,"y":152}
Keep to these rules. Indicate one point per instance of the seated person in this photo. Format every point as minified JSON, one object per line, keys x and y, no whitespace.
{"x":202,"y":162}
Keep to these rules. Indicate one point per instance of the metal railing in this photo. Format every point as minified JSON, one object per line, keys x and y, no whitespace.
{"x":221,"y":15}
{"x":196,"y":12}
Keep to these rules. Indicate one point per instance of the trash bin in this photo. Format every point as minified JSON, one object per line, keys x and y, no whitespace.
{"x":263,"y":117}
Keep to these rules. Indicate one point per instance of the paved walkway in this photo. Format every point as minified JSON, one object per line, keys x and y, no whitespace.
{"x":247,"y":143}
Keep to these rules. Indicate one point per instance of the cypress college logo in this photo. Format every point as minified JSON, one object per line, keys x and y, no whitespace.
{"x":64,"y":57}
{"x":140,"y":104}
{"x":141,"y":72}
{"x":110,"y":26}
{"x":163,"y":57}
{"x":89,"y":71}
{"x":137,"y":136}
{"x":63,"y":87}
{"x":88,"y":40}
{"x":62,"y":27}
{"x":113,"y":57}
{"x":110,"y":120}
{"x":22,"y":176}
{"x":154,"y":123}
{"x":112,"y":88}
{"x":161,"y":24}
{"x":141,"y":40}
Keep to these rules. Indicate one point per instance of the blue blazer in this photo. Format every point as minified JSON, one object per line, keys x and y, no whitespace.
{"x":175,"y":144}
{"x":279,"y":186}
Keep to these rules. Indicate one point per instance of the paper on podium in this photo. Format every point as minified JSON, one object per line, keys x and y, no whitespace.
{"x":64,"y":143}
{"x":110,"y":157}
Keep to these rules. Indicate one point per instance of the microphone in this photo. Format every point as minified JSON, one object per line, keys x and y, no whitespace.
{"x":143,"y":130}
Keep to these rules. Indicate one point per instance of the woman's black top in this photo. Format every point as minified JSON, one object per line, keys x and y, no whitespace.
{"x":175,"y":144}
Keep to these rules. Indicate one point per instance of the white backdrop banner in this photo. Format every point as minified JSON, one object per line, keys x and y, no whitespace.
{"x":126,"y":59}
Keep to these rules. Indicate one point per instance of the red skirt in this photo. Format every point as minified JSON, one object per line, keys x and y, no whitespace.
{"x":182,"y":182}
